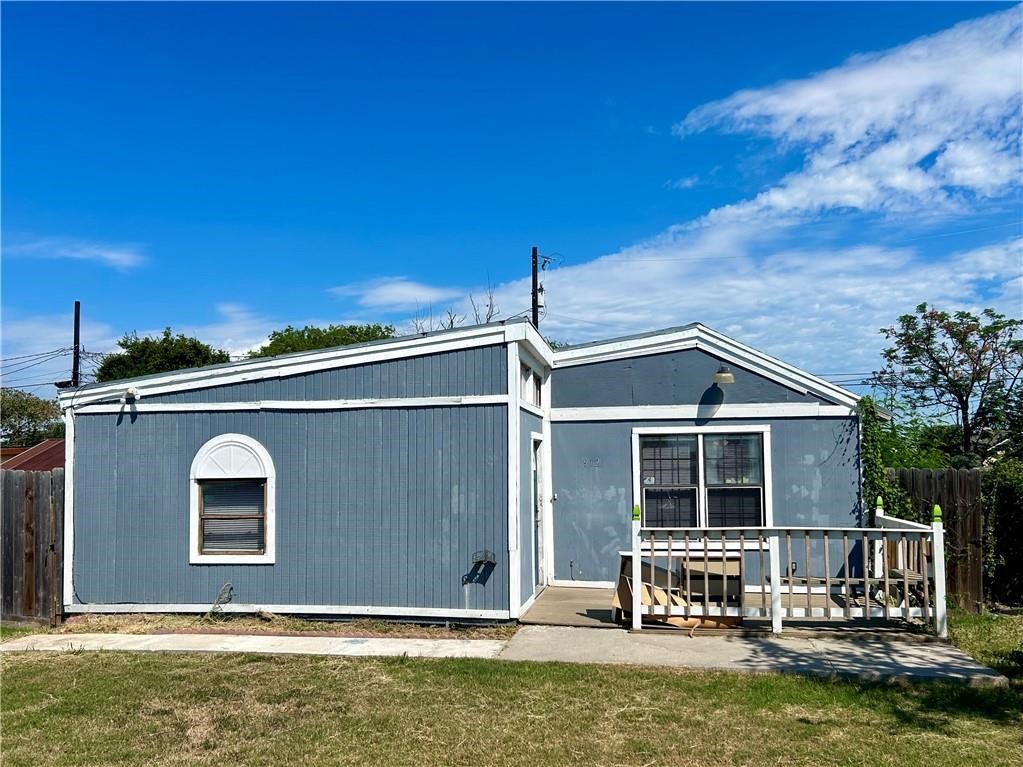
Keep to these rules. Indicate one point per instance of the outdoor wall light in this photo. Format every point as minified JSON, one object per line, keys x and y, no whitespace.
{"x":724,"y":375}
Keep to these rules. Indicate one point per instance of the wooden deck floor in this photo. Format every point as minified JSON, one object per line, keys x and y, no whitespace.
{"x":571,"y":606}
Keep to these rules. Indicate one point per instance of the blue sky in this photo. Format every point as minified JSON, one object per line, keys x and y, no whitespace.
{"x":795,"y":175}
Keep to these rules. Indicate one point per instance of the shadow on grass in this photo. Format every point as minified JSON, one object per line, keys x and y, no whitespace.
{"x":925,"y":686}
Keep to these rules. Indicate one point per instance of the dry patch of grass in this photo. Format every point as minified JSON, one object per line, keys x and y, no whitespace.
{"x":114,"y":708}
{"x":269,"y":623}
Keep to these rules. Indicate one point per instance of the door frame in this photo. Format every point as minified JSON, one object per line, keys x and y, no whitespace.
{"x":538,"y":510}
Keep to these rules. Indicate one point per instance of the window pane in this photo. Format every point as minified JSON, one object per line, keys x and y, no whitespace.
{"x":233,"y":514}
{"x":733,"y":459}
{"x":228,"y":534}
{"x":664,"y":507}
{"x":668,"y":460}
{"x":734,"y":507}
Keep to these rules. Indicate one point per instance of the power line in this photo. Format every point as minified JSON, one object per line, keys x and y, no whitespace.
{"x":31,"y":356}
{"x":35,"y":364}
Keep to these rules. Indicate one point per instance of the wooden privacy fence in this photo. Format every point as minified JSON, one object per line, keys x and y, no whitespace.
{"x":31,"y":544}
{"x":957,"y":491}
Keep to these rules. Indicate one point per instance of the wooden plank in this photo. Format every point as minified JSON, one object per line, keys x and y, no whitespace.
{"x":28,"y":593}
{"x":42,"y":544}
{"x":809,"y":573}
{"x":848,"y":586}
{"x":827,"y":576}
{"x":57,"y":486}
{"x":6,"y":543}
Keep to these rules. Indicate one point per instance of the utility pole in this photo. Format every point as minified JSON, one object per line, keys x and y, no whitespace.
{"x":76,"y":359}
{"x":536,"y":288}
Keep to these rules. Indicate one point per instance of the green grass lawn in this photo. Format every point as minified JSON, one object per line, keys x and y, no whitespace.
{"x":116,"y":708}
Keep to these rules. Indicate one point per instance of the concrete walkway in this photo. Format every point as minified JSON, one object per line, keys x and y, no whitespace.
{"x":866,"y":659}
{"x":259,"y":643}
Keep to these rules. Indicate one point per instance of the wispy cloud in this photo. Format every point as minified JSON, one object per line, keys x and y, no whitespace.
{"x":933,"y":125}
{"x":395,"y":294}
{"x":119,"y":256}
{"x":688,"y":182}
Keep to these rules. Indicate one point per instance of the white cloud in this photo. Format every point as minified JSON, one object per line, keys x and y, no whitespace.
{"x":933,"y":124}
{"x":118,"y":256}
{"x":396,"y":294}
{"x":687,"y":182}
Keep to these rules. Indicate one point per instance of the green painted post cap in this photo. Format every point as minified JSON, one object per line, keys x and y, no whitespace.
{"x":880,"y":502}
{"x":936,"y":513}
{"x":636,"y":515}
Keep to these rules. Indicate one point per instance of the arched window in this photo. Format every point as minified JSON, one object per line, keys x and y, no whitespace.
{"x":232,"y":490}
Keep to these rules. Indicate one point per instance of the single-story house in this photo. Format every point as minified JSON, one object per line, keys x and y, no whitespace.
{"x":449,"y":475}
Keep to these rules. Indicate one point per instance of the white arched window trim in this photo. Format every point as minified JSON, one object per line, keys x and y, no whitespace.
{"x":232,"y":456}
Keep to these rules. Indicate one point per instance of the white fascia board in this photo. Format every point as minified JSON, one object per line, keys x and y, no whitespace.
{"x":303,"y":405}
{"x":275,"y":367}
{"x":533,"y":341}
{"x":231,"y":607}
{"x":692,"y":412}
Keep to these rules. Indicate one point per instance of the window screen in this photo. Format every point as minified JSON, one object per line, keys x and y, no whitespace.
{"x":232,"y":516}
{"x":734,"y":507}
{"x":669,"y":469}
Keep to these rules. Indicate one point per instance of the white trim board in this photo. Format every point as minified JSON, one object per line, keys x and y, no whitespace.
{"x":246,"y":458}
{"x":69,"y":506}
{"x":232,"y":607}
{"x":693,"y":412}
{"x":532,"y":409}
{"x":514,"y":565}
{"x":763,"y":429}
{"x":328,"y":404}
{"x":280,"y":367}
{"x":584,"y":584}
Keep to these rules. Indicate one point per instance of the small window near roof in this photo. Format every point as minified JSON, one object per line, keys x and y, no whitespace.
{"x":232,"y":516}
{"x":531,"y":385}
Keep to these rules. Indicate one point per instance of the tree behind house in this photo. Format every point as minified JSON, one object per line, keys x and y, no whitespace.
{"x":146,"y":356}
{"x":310,"y":338}
{"x":959,"y":365}
{"x":26,"y":419}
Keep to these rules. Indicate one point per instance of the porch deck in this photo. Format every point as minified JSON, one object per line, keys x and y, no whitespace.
{"x":591,"y":608}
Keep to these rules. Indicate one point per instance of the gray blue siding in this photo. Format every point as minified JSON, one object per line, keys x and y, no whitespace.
{"x":477,"y":371}
{"x":815,"y":477}
{"x":374,"y":507}
{"x":675,"y":378}
{"x":528,"y":423}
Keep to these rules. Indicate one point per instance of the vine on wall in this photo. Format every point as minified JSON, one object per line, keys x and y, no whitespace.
{"x":872,"y":457}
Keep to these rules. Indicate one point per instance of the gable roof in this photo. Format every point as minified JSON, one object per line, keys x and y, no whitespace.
{"x":283,"y":365}
{"x":692,"y":336}
{"x":698,"y":336}
{"x":48,"y":454}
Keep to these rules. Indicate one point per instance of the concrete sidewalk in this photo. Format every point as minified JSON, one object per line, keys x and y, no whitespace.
{"x":258,"y":643}
{"x":865,"y":659}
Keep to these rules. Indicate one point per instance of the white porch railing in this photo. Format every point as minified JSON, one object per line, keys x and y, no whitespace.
{"x":895,"y":570}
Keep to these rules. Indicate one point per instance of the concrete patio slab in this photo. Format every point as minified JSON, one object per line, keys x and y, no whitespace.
{"x":818,"y":657}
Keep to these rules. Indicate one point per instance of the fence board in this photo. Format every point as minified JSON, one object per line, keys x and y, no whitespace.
{"x":31,"y":532}
{"x":957,"y":491}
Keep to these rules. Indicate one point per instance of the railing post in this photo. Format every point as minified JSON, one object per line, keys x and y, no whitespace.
{"x":774,"y":558}
{"x":637,"y":570}
{"x":878,"y":547}
{"x":940,"y":616}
